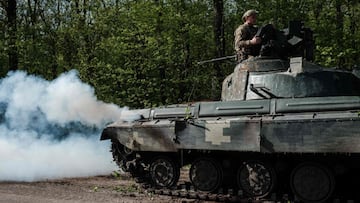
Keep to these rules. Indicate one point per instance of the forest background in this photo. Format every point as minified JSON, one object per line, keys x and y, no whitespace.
{"x":145,"y":53}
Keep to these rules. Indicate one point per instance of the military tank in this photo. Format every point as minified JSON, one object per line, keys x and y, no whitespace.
{"x":284,"y":125}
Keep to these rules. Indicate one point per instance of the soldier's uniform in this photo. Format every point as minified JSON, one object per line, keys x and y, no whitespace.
{"x":243,"y":34}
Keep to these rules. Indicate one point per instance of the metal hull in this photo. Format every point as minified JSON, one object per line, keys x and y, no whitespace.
{"x":277,"y":126}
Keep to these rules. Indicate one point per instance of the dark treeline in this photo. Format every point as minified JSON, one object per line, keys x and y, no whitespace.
{"x":145,"y":53}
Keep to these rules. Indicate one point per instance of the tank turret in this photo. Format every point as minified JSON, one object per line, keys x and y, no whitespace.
{"x":261,"y":78}
{"x":284,"y":70}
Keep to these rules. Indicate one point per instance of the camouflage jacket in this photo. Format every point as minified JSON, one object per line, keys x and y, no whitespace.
{"x":243,"y":34}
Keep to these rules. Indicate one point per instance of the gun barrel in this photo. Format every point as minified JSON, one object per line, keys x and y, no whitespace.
{"x":216,"y":59}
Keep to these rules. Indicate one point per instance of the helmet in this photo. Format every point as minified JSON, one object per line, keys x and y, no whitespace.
{"x":249,"y":13}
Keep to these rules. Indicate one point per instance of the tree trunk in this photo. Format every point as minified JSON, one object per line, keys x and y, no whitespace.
{"x":219,"y":44}
{"x":353,"y":30}
{"x":339,"y":29}
{"x":12,"y":31}
{"x":162,"y":63}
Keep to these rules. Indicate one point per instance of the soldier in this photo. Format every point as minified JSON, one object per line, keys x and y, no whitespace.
{"x":246,"y":44}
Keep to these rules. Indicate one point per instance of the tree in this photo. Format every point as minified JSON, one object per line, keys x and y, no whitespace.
{"x":219,"y":44}
{"x":11,"y":30}
{"x":145,"y":53}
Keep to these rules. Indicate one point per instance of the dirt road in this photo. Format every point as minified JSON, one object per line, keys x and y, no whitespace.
{"x":110,"y":188}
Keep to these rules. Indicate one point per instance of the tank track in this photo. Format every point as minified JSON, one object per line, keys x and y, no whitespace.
{"x":183,"y":188}
{"x":184,"y":191}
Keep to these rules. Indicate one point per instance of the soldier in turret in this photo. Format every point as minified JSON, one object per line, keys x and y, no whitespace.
{"x":246,"y":43}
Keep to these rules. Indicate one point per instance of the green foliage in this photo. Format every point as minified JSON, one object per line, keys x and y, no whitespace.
{"x":127,"y":188}
{"x":145,"y":53}
{"x":152,"y":53}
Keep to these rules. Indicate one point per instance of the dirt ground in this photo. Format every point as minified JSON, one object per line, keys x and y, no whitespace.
{"x":109,"y":188}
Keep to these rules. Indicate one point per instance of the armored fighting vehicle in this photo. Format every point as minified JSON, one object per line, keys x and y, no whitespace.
{"x":284,"y":125}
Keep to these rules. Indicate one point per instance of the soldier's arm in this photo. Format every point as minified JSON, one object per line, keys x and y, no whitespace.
{"x":241,"y":39}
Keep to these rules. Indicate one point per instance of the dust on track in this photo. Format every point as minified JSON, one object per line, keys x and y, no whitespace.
{"x":108,"y":188}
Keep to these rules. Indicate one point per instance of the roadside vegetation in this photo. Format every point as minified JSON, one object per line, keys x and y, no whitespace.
{"x":145,"y":53}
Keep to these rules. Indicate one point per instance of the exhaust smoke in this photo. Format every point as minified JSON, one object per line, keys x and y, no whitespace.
{"x":51,"y":129}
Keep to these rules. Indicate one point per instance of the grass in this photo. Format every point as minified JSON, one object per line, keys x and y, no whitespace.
{"x":127,"y":188}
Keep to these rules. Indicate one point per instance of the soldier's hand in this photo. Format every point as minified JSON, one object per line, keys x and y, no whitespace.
{"x":255,"y":40}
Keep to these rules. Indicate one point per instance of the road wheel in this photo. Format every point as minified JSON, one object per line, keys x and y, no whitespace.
{"x":206,"y":174}
{"x":164,"y":172}
{"x":256,"y":179}
{"x":311,"y":182}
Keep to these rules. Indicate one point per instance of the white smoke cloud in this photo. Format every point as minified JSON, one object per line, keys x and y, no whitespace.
{"x":51,"y":129}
